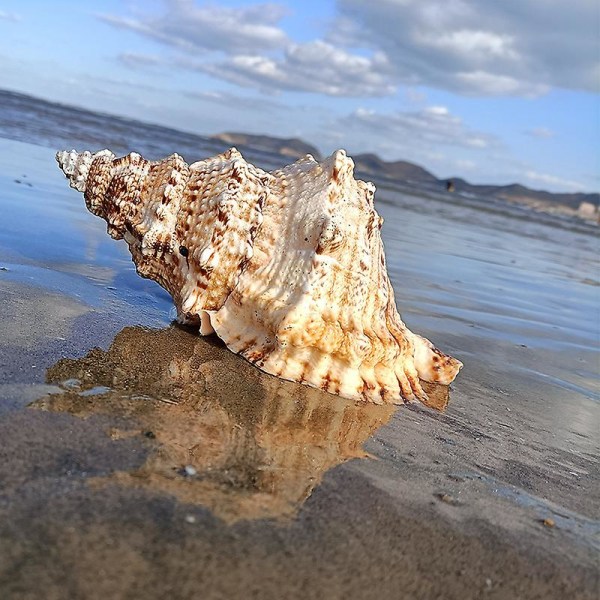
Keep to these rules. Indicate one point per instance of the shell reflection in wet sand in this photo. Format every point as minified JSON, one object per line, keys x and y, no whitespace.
{"x":221,"y":434}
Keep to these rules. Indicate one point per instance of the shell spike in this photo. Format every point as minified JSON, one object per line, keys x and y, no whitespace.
{"x":342,"y":168}
{"x":75,"y":166}
{"x":232,"y":154}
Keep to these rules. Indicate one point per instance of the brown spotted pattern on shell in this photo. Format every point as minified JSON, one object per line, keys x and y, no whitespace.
{"x":287,"y":268}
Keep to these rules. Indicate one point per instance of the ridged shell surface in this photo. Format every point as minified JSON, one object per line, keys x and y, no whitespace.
{"x":287,"y":267}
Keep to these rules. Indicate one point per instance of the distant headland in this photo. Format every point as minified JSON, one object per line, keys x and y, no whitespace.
{"x":583,"y":205}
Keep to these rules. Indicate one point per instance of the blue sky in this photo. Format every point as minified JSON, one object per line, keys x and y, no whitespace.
{"x":496,"y":92}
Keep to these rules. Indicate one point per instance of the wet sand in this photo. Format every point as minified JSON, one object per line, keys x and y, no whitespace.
{"x":140,"y":461}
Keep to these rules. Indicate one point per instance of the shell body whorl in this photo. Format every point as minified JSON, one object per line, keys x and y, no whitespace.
{"x":286,"y":267}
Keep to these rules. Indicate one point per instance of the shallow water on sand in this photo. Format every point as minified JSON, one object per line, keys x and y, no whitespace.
{"x":155,"y":413}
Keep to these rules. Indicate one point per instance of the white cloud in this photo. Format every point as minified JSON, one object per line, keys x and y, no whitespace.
{"x":431,"y":126}
{"x":245,"y":46}
{"x":478,"y":47}
{"x":437,"y":110}
{"x":237,"y":101}
{"x":8,"y":16}
{"x":471,"y":44}
{"x":415,"y":96}
{"x":211,"y":27}
{"x":540,"y":132}
{"x":489,"y":84}
{"x":316,"y":67}
{"x":464,"y":164}
{"x":135,"y":60}
{"x":553,"y":181}
{"x":431,"y":136}
{"x":477,"y":141}
{"x":508,"y":48}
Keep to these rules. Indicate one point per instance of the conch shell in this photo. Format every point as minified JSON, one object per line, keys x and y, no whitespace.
{"x":287,"y":267}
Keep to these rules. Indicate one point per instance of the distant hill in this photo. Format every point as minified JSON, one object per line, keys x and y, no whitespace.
{"x":372,"y":166}
{"x":519,"y":193}
{"x":292,"y":147}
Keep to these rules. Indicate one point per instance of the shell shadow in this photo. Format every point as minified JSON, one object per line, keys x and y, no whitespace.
{"x":220,"y":433}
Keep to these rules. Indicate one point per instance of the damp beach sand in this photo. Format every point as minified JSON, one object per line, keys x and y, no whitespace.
{"x":140,"y":461}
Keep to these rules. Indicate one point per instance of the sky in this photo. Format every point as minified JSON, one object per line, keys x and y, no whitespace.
{"x":495,"y":92}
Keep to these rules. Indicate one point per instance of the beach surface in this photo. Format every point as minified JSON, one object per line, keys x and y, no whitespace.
{"x":141,"y":461}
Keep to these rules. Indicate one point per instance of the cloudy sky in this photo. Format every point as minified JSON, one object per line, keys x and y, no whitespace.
{"x":495,"y":92}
